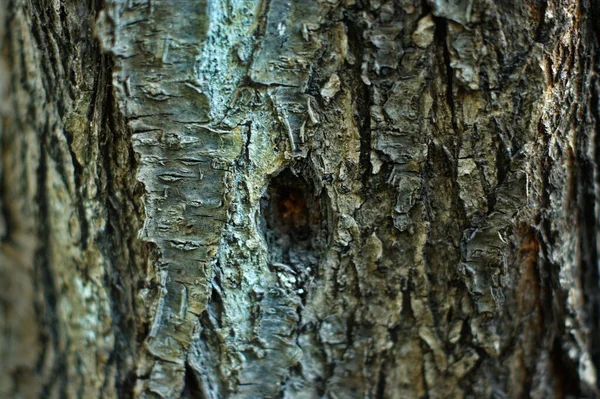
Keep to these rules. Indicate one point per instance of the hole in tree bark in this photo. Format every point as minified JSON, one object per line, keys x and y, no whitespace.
{"x":192,"y":388}
{"x":293,"y":223}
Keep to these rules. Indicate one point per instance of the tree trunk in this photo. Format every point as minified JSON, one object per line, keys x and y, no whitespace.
{"x":299,"y":199}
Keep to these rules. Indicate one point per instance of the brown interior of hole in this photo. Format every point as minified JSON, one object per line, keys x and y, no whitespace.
{"x":291,"y":207}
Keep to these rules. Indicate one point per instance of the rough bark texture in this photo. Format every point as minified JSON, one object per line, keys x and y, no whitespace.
{"x":299,"y":199}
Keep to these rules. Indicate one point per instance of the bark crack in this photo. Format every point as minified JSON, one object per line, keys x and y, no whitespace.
{"x":441,"y":34}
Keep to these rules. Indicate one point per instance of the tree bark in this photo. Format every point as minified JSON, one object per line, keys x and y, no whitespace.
{"x":299,"y":199}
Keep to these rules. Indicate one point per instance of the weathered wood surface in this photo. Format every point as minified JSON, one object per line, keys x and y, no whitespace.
{"x":299,"y":199}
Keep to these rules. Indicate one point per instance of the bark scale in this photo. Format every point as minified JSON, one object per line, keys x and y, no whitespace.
{"x":299,"y":199}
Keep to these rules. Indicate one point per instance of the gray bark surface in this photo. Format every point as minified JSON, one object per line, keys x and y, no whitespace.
{"x":299,"y":199}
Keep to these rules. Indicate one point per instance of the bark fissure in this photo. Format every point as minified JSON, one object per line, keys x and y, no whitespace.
{"x":47,"y":289}
{"x":441,"y":34}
